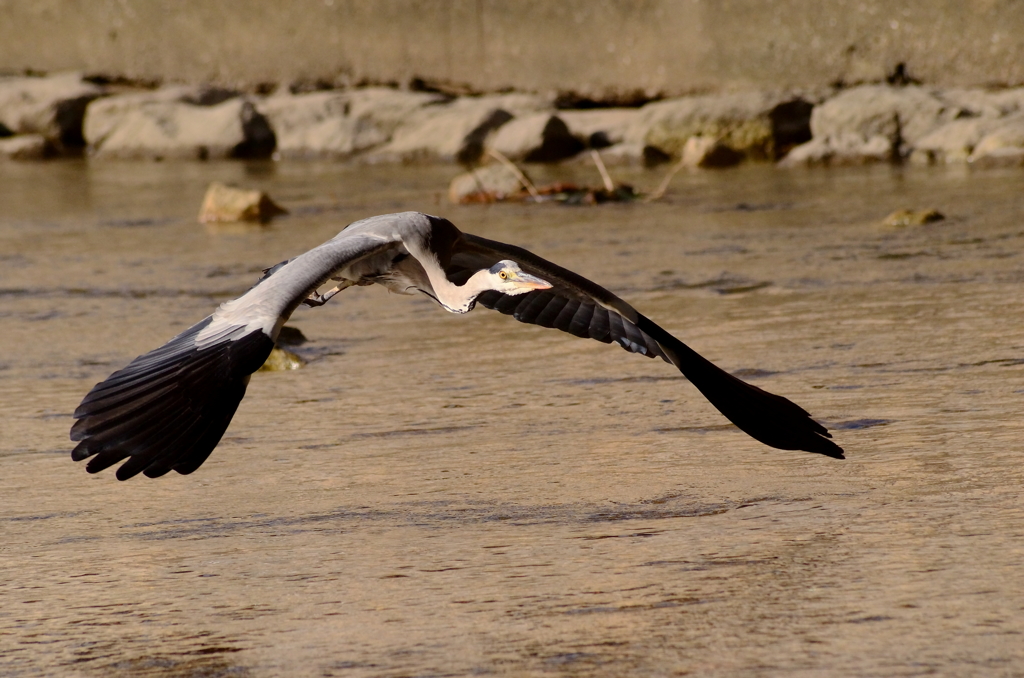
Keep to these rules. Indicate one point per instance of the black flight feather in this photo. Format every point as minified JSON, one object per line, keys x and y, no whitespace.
{"x":168,"y":408}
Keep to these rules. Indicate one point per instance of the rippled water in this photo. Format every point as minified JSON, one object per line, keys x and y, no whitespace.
{"x":443,"y":495}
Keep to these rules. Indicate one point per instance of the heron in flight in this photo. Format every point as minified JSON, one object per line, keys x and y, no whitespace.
{"x":167,"y":409}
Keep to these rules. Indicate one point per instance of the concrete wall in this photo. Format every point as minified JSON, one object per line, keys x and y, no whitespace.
{"x":594,"y":47}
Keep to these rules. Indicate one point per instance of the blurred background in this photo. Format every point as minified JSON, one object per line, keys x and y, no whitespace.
{"x":605,"y":49}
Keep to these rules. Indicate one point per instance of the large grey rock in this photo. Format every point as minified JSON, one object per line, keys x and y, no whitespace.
{"x":537,"y":137}
{"x":899,"y":113}
{"x":872,"y":123}
{"x":904,"y":115}
{"x":339,"y":124}
{"x":602,"y":127}
{"x":164,"y":124}
{"x":456,"y":130}
{"x":52,"y":107}
{"x":104,"y":116}
{"x":746,"y":122}
{"x":979,"y":114}
{"x":24,"y":147}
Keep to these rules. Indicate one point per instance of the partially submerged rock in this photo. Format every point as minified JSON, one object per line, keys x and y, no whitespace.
{"x":904,"y":218}
{"x":226,"y":204}
{"x":24,"y":147}
{"x":165,"y":124}
{"x":495,"y":183}
{"x":491,"y":183}
{"x":280,"y":360}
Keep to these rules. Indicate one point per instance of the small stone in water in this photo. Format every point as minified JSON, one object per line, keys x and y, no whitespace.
{"x":281,"y":360}
{"x":228,"y":204}
{"x":904,"y":218}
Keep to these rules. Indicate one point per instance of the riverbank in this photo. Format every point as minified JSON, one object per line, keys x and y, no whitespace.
{"x":63,"y":114}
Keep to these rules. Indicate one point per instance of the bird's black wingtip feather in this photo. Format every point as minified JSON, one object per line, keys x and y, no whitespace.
{"x":772,"y":419}
{"x":177,"y":427}
{"x":827,"y":448}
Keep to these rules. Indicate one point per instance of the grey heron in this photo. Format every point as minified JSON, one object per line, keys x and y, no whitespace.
{"x":168,"y":409}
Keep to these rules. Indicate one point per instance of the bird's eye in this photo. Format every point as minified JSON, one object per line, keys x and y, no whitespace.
{"x":502,"y":275}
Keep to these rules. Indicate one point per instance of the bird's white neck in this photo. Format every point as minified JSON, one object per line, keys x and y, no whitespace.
{"x":461,"y":298}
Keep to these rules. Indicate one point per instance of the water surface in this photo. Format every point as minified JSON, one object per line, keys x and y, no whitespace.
{"x":450,"y":496}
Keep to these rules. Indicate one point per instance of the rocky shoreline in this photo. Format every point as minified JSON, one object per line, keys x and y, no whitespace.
{"x":42,"y":117}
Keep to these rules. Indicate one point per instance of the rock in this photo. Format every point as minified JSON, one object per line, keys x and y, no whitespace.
{"x":706,"y":152}
{"x":904,"y":218}
{"x":484,"y":184}
{"x":1004,"y":145}
{"x":1007,"y":156}
{"x":903,"y":114}
{"x":339,"y":124}
{"x":741,"y":121}
{"x":841,"y":149}
{"x":539,"y":137}
{"x":228,"y":204}
{"x":162,"y":125}
{"x":281,"y":360}
{"x":455,"y":130}
{"x":103,"y":116}
{"x":52,"y":107}
{"x":601,"y":128}
{"x":871,"y":123}
{"x":981,"y":103}
{"x":953,"y":142}
{"x":624,"y":153}
{"x":24,"y":147}
{"x":652,"y":155}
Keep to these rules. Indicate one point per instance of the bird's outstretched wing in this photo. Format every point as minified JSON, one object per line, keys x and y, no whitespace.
{"x":168,"y":409}
{"x":582,"y":308}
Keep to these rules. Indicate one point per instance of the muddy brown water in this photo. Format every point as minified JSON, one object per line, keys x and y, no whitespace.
{"x":435,"y":495}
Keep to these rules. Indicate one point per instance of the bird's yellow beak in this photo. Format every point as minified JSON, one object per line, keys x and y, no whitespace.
{"x":529,"y":282}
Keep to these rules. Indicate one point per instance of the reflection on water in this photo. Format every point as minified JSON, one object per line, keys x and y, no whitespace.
{"x":443,"y":495}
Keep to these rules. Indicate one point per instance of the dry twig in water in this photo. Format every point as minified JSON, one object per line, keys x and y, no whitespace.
{"x":511,"y":166}
{"x":663,"y":186}
{"x":605,"y":177}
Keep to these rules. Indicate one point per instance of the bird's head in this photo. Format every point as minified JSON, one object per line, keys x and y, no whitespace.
{"x":506,"y":277}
